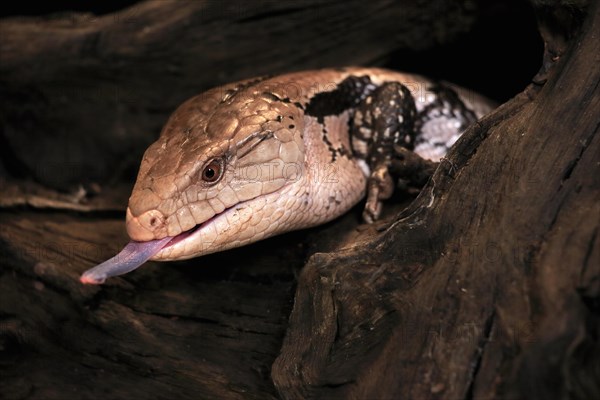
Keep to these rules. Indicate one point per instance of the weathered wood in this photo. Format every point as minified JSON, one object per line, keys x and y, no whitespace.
{"x":487,"y":285}
{"x":468,"y":293}
{"x":203,"y":329}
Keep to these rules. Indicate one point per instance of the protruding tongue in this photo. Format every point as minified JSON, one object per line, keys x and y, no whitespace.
{"x":131,"y":257}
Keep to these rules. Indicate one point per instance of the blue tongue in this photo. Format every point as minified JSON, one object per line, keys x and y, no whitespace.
{"x":131,"y":257}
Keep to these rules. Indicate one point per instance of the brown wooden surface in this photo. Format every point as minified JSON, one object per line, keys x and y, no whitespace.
{"x":486,"y":286}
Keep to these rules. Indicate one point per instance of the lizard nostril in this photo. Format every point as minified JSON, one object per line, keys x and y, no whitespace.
{"x":148,"y":226}
{"x":152,"y":220}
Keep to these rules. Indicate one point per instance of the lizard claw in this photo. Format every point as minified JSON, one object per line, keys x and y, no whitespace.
{"x":379,"y":187}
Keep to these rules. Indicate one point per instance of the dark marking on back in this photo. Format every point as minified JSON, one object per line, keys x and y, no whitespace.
{"x":273,"y":97}
{"x":446,"y":103}
{"x":335,"y":151}
{"x":269,"y":96}
{"x":345,"y":96}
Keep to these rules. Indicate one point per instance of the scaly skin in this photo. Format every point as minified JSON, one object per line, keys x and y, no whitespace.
{"x":281,"y":172}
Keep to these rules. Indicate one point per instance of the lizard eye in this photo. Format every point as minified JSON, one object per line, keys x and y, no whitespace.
{"x":212,"y":171}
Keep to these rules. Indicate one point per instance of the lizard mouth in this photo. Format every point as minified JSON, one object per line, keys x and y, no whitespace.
{"x":134,"y":254}
{"x":184,"y":237}
{"x":172,"y":248}
{"x":200,"y":239}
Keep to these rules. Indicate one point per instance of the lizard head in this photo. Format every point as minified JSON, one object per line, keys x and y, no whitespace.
{"x":212,"y":178}
{"x":226,"y":168}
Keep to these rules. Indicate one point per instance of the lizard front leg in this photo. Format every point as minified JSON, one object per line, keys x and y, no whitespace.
{"x":383,"y":119}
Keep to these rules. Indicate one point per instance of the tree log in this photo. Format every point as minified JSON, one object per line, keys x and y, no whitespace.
{"x":487,"y":285}
{"x":484,"y":286}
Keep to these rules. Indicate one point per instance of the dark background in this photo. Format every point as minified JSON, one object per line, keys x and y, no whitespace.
{"x":419,"y":297}
{"x":491,"y":58}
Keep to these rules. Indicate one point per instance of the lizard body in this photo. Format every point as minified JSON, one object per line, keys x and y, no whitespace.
{"x":256,"y":158}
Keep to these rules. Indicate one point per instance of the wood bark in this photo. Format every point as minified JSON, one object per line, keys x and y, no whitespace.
{"x":484,"y":286}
